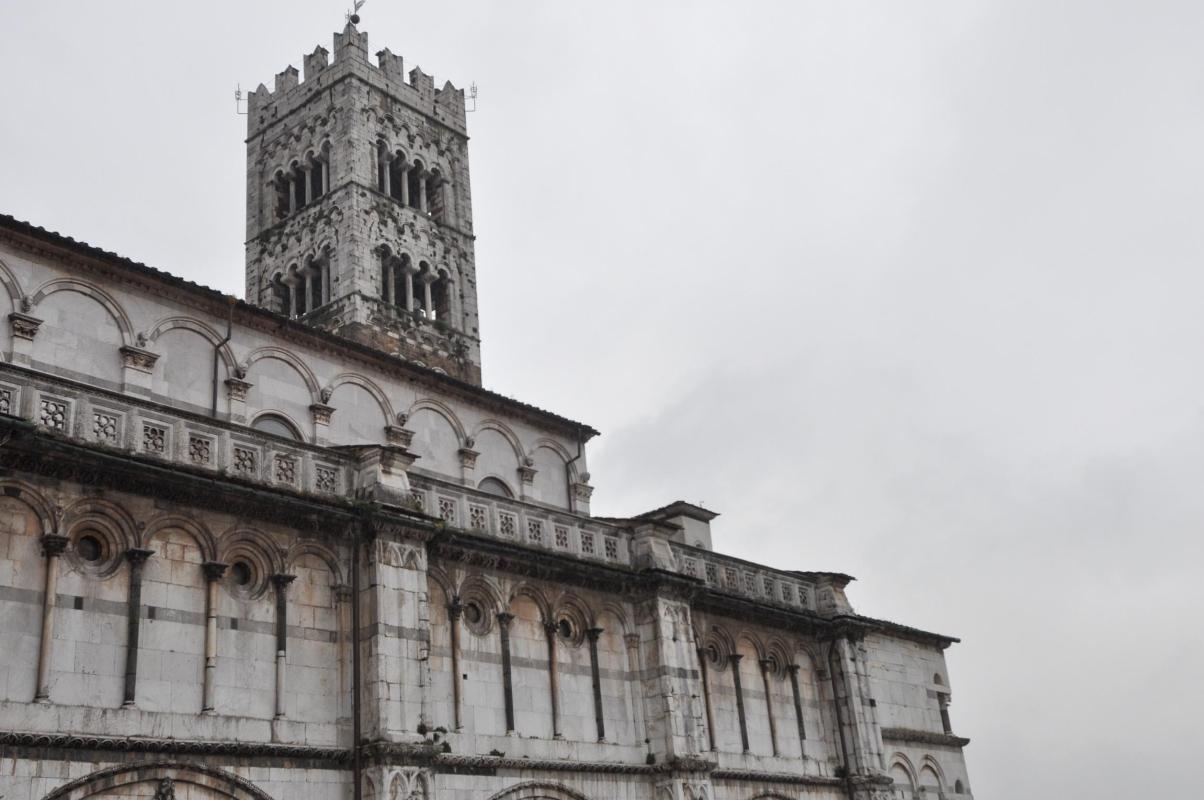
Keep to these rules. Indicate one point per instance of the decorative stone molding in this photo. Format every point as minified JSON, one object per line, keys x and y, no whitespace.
{"x":236,"y":389}
{"x":583,"y":491}
{"x":24,"y":326}
{"x":468,"y":457}
{"x":321,"y":413}
{"x":214,"y":570}
{"x":136,"y":358}
{"x":54,"y":545}
{"x":398,"y":436}
{"x":138,"y":744}
{"x":526,"y":474}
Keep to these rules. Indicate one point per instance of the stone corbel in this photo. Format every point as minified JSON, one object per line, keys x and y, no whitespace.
{"x":526,"y":477}
{"x":236,"y":393}
{"x":137,"y":366}
{"x":24,"y":329}
{"x":321,"y":416}
{"x":582,"y":492}
{"x":468,"y":460}
{"x":138,"y":358}
{"x":397,"y":436}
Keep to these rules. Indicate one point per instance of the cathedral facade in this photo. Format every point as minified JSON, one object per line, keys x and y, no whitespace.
{"x":290,"y":548}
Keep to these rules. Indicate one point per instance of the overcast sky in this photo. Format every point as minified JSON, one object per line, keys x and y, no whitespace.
{"x":906,"y":290}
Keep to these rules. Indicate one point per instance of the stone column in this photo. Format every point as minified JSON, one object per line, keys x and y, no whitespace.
{"x":325,"y":176}
{"x":553,"y":677}
{"x":734,"y":660}
{"x":213,"y":575}
{"x":52,"y":548}
{"x":427,"y":279}
{"x":309,"y":183}
{"x":137,"y":558}
{"x":404,"y":177}
{"x":422,"y":205}
{"x":281,"y":583}
{"x":409,"y":286}
{"x":292,"y":192}
{"x":765,"y":665}
{"x":454,"y":611}
{"x":635,"y":685}
{"x":307,"y":280}
{"x":390,"y":288}
{"x":798,"y":709}
{"x":503,"y":626}
{"x":386,"y":185}
{"x":592,"y":634}
{"x":703,"y":670}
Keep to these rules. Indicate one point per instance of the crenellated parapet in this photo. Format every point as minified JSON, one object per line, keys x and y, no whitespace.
{"x":416,"y":90}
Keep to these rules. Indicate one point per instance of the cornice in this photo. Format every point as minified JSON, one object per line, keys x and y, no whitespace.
{"x":139,"y":744}
{"x":924,"y":737}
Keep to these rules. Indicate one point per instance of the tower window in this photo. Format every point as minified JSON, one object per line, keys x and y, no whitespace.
{"x":282,"y":192}
{"x":297,"y":178}
{"x":416,"y":187}
{"x":441,"y":298}
{"x":280,"y":294}
{"x":436,"y":204}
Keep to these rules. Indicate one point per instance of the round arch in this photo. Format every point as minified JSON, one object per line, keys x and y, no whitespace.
{"x":88,"y":290}
{"x":32,"y":498}
{"x":200,"y":328}
{"x":105,"y":781}
{"x":279,"y":353}
{"x":11,"y":285}
{"x":319,"y":551}
{"x":504,"y":431}
{"x":200,"y":534}
{"x":429,"y":404}
{"x":538,"y":790}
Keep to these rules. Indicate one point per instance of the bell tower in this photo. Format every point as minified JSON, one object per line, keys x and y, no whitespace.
{"x":359,"y":213}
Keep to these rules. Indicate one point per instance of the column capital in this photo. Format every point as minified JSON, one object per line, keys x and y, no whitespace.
{"x":550,"y":629}
{"x":455,"y":609}
{"x":214,"y":570}
{"x":282,"y":581}
{"x":593,"y":633}
{"x":766,"y":664}
{"x":632,"y":640}
{"x":53,"y":544}
{"x":504,"y":618}
{"x":734,"y":658}
{"x":793,"y":668}
{"x":137,"y":556}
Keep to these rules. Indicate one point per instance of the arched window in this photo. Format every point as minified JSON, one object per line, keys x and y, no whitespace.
{"x":495,"y":487}
{"x":415,"y":186}
{"x":281,"y":195}
{"x":298,"y":181}
{"x":441,"y":290}
{"x":276,"y":425}
{"x":280,"y":294}
{"x":434,"y":195}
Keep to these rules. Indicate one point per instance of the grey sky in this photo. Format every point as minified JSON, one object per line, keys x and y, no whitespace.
{"x":906,"y":290}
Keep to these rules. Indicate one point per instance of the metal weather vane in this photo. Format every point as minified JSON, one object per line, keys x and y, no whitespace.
{"x":353,"y":15}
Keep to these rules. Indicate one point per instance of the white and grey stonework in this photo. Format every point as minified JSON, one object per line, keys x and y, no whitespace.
{"x":290,"y":548}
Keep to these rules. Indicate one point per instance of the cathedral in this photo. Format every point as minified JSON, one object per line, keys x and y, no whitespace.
{"x":291,"y":548}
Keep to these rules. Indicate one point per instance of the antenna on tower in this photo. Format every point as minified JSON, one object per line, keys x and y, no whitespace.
{"x":238,"y":99}
{"x":472,"y":95}
{"x":353,"y":15}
